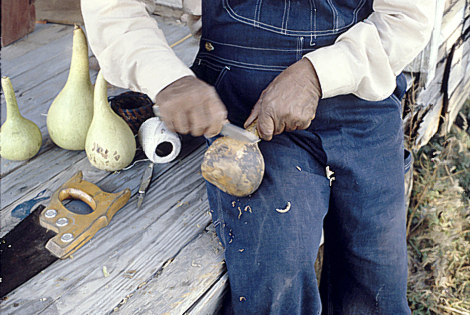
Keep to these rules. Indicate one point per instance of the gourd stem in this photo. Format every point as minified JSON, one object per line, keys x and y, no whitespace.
{"x":79,"y":69}
{"x":101,"y":96}
{"x":10,"y":99}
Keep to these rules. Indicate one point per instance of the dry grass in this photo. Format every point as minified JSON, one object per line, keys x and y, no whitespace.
{"x":439,"y":226}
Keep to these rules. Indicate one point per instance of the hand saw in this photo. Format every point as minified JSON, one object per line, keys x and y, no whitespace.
{"x":54,"y":232}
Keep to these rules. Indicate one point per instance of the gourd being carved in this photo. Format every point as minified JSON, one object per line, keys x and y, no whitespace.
{"x":71,"y":112}
{"x":234,"y":166}
{"x":20,"y":138}
{"x":110,"y":143}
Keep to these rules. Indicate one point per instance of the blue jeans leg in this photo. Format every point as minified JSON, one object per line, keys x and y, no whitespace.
{"x":270,"y":255}
{"x":365,"y":261}
{"x":271,"y":238}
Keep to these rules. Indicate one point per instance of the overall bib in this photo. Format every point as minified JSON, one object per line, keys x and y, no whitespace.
{"x":270,"y":254}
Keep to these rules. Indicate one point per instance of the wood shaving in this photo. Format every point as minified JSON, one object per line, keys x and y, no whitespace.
{"x":298,"y":167}
{"x":194,"y":264}
{"x":129,"y":274}
{"x":239,"y":213}
{"x":248,"y":208}
{"x":242,"y":298}
{"x":105,"y":272}
{"x":285,"y":209}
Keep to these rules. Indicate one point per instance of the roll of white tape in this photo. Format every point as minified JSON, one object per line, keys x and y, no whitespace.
{"x":159,"y":144}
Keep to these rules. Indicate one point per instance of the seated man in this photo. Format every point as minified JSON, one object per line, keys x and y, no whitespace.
{"x":320,"y":77}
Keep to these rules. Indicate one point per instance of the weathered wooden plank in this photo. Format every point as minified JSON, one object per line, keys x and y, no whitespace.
{"x":28,"y":189}
{"x":461,"y":94}
{"x":457,"y":71}
{"x":47,"y":166}
{"x":175,"y":213}
{"x":445,"y":48}
{"x":59,"y":11}
{"x":451,"y":20}
{"x":449,"y":4}
{"x":35,"y":58}
{"x":429,"y":95}
{"x":425,"y":62}
{"x":429,"y":125}
{"x":182,"y":282}
{"x":212,"y":302}
{"x":42,"y":36}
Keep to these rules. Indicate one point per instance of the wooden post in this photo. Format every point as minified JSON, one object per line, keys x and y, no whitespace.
{"x":18,"y":19}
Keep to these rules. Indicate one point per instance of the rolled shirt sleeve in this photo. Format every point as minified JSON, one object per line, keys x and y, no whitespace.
{"x":131,"y":49}
{"x":366,"y":59}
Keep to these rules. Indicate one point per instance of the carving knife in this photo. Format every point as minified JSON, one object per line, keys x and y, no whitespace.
{"x":228,"y":130}
{"x":144,"y":183}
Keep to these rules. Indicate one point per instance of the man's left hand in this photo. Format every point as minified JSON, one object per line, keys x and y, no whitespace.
{"x":289,"y":102}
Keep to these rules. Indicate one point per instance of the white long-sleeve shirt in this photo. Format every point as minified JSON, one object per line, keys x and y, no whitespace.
{"x":365,"y":60}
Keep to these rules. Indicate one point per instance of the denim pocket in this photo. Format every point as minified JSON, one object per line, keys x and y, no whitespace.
{"x":211,"y":72}
{"x":307,"y":17}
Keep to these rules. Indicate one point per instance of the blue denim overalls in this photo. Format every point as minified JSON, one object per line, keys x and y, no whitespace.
{"x":270,"y":254}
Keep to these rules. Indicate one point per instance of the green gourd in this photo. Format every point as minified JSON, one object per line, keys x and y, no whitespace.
{"x":20,"y":138}
{"x":110,"y":143}
{"x":71,"y":112}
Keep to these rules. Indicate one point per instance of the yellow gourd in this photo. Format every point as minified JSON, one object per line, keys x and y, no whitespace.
{"x":110,"y":143}
{"x":20,"y":138}
{"x":71,"y":112}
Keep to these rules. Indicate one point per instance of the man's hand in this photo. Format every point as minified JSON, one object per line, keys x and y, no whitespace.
{"x":289,"y":103}
{"x":190,"y":105}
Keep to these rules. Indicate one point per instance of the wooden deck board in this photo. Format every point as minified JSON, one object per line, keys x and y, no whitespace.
{"x":184,"y":280}
{"x":173,"y":220}
{"x":175,"y":213}
{"x":21,"y":57}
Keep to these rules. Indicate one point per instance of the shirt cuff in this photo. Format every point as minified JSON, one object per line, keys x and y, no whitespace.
{"x":333,"y":70}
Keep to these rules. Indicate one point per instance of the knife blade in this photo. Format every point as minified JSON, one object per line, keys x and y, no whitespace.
{"x":144,"y":183}
{"x":228,"y":130}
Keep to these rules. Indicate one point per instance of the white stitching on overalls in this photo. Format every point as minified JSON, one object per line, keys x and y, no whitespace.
{"x":313,"y":21}
{"x":335,"y":15}
{"x":283,"y":29}
{"x":280,"y":30}
{"x":258,"y":12}
{"x":356,"y":11}
{"x":300,"y":45}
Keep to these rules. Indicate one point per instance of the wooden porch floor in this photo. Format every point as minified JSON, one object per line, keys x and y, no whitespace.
{"x":162,"y":259}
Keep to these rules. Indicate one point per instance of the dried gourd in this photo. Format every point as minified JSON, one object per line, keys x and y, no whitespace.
{"x":234,"y":166}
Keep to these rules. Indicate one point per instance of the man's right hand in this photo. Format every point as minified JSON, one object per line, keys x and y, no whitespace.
{"x":189,"y":105}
